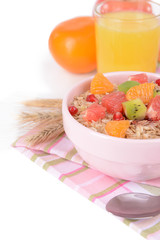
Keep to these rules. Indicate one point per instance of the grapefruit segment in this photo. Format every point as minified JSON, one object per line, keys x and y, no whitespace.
{"x":94,"y":112}
{"x":141,"y":78}
{"x":153,"y":112}
{"x":113,"y":102}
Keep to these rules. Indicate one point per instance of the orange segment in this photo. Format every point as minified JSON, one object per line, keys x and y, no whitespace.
{"x":101,"y":85}
{"x":143,"y":91}
{"x":117,"y":128}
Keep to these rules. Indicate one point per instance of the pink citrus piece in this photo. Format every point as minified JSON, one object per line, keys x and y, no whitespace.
{"x":153,"y":112}
{"x":113,"y":102}
{"x":141,"y":78}
{"x":94,"y":112}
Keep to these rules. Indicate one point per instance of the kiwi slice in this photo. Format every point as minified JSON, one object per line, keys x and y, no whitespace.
{"x":156,"y":92}
{"x":135,"y":109}
{"x":124,"y":87}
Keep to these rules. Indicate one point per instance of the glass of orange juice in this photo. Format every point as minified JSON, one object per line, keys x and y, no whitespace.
{"x":127,"y":35}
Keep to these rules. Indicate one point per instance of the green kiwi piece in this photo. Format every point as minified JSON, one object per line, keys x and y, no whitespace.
{"x":124,"y":87}
{"x":156,"y":92}
{"x":135,"y":109}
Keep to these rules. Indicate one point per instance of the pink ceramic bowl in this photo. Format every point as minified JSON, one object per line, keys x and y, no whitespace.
{"x":131,"y":159}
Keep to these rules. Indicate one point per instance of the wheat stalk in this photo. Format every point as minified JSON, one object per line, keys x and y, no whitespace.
{"x":44,"y":103}
{"x":46,"y":133}
{"x":46,"y":116}
{"x":38,"y":117}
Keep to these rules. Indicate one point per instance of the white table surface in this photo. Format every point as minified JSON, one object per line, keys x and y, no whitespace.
{"x":33,"y":204}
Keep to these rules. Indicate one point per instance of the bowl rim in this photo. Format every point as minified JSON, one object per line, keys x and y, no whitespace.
{"x":90,"y":131}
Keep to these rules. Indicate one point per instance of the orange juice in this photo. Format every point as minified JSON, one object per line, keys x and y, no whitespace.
{"x":127,"y":41}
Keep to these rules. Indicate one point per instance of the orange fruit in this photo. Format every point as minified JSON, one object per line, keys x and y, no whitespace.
{"x":72,"y":44}
{"x":101,"y":85}
{"x":143,"y":91}
{"x":117,"y":128}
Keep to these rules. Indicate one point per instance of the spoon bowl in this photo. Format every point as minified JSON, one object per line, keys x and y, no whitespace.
{"x":134,"y":205}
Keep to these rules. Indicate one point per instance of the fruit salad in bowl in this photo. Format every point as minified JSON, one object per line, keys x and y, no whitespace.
{"x":113,"y":120}
{"x":128,"y":110}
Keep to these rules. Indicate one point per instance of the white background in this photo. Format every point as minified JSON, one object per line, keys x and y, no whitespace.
{"x":33,"y":204}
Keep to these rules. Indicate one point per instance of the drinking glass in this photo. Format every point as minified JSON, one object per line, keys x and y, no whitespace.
{"x":127,"y":35}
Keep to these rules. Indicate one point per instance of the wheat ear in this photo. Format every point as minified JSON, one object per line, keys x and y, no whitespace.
{"x":44,"y":103}
{"x":46,"y":133}
{"x":46,"y":116}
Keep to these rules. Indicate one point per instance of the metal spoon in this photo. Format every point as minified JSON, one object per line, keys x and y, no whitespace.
{"x":134,"y":205}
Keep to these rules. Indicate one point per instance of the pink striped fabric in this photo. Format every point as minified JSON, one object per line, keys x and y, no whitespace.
{"x":60,"y":158}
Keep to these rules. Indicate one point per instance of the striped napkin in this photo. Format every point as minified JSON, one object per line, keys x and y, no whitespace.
{"x":60,"y":158}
